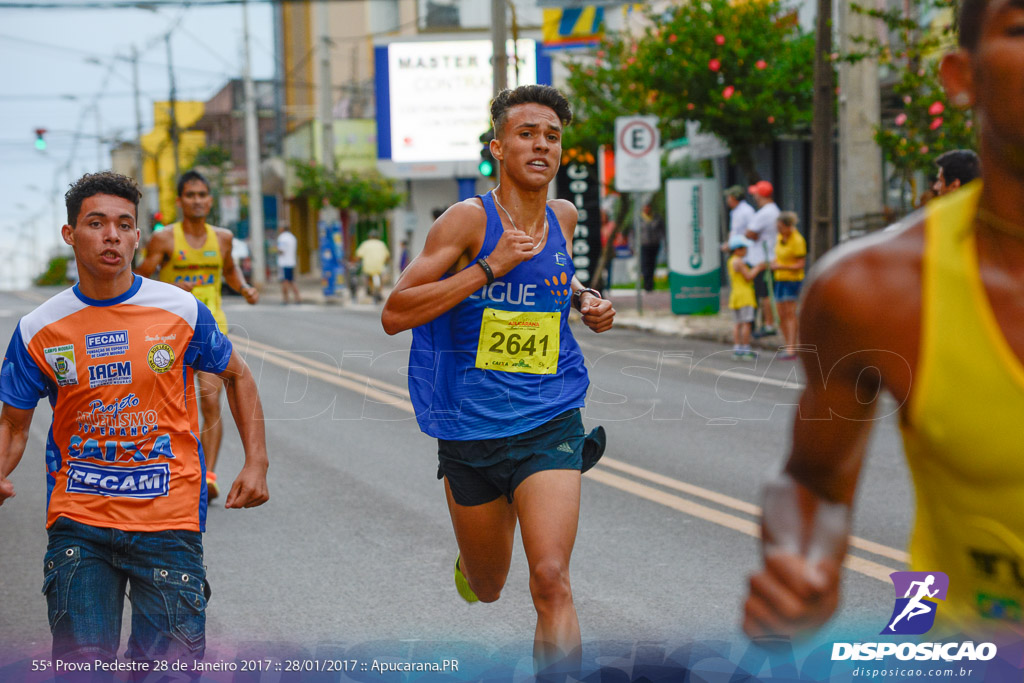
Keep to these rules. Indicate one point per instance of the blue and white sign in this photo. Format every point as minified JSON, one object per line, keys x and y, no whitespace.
{"x":106,"y":344}
{"x":146,"y":481}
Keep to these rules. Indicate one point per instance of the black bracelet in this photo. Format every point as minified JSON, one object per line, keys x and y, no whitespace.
{"x":487,"y":270}
{"x":577,"y":295}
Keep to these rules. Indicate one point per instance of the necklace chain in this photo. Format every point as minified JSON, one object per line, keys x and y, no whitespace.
{"x":999,"y":224}
{"x":536,"y":245}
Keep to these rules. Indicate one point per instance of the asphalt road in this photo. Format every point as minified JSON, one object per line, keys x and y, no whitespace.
{"x":354,"y":549}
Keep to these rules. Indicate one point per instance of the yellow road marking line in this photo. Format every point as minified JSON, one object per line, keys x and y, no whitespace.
{"x":389,"y":394}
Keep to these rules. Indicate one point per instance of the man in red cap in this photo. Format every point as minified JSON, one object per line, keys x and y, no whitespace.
{"x":762,"y":231}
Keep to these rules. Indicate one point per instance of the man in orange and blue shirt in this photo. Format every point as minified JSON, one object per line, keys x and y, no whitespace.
{"x":126,"y":494}
{"x":196,"y":257}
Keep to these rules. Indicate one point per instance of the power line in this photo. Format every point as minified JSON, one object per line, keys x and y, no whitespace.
{"x":93,"y":55}
{"x":134,"y":4}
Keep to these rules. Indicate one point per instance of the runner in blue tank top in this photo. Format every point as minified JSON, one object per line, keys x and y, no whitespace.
{"x":496,"y":375}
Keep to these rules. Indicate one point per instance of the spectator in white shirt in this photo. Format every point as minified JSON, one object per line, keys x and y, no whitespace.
{"x":286,"y":248}
{"x":763,"y":232}
{"x":740,"y":213}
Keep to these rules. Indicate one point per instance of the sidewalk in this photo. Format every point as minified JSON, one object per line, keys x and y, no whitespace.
{"x":657,"y":316}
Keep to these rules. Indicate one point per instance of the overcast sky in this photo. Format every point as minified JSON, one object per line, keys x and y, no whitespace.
{"x":49,"y":79}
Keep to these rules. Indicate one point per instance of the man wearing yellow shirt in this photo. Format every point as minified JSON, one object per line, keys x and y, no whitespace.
{"x":197,"y":257}
{"x":374,"y":255}
{"x":932,"y":313}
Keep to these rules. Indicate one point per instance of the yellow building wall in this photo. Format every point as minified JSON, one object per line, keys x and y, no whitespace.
{"x":158,"y":152}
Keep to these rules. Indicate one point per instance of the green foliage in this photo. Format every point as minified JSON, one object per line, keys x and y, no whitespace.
{"x":373,"y":195}
{"x":55,"y":273}
{"x":922,"y":124}
{"x":313,"y":181}
{"x":367,"y":193}
{"x":743,"y":70}
{"x":211,"y":156}
{"x":213,"y":161}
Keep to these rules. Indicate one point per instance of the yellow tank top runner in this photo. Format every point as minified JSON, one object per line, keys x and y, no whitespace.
{"x":203,"y":267}
{"x":961,"y":432}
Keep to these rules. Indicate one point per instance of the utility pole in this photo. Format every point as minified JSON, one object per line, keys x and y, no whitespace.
{"x":325,"y":111}
{"x":144,"y":226}
{"x":822,"y":132}
{"x":324,"y":100}
{"x":499,"y":36}
{"x":173,"y":128}
{"x":252,"y":164}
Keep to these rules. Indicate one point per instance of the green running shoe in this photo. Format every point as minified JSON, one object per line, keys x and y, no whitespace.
{"x":462,"y":586}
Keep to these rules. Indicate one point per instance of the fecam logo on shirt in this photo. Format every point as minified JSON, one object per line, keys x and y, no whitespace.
{"x":104,"y":344}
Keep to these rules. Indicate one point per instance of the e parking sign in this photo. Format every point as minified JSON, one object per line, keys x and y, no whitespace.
{"x":637,"y":154}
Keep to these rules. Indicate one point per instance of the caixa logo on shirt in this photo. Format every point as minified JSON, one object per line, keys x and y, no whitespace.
{"x":119,"y":372}
{"x":147,"y":481}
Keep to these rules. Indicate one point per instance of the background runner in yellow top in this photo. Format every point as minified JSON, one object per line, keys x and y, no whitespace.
{"x":196,"y":257}
{"x":199,"y":269}
{"x":888,"y":314}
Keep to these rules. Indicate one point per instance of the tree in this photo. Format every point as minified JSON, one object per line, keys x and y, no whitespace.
{"x":213,"y":161}
{"x":743,"y":70}
{"x":368,"y":194}
{"x":918,"y":124}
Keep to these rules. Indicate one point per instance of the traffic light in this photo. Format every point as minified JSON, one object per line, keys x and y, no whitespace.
{"x":488,"y":167}
{"x":158,"y":221}
{"x":40,"y":140}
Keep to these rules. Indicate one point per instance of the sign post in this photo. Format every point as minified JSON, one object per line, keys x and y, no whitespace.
{"x":637,"y":170}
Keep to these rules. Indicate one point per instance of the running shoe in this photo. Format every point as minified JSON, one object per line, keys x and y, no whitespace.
{"x":593,"y":447}
{"x":213,"y":490}
{"x":462,"y":586}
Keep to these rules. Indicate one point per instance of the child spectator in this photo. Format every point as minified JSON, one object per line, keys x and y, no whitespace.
{"x":741,"y":297}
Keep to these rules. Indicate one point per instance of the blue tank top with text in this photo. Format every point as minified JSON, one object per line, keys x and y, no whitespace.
{"x":488,"y":367}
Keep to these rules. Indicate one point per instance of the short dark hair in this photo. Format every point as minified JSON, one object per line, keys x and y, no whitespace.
{"x":959,"y":164}
{"x":189,"y":176}
{"x":106,"y":182}
{"x":528,"y":94}
{"x":972,"y":14}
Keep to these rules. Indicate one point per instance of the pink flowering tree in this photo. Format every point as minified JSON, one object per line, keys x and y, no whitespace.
{"x":743,"y":70}
{"x":918,"y":121}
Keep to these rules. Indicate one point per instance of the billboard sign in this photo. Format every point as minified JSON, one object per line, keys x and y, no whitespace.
{"x":439,"y":94}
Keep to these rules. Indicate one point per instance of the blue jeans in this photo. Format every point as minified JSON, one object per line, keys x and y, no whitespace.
{"x":86,"y":570}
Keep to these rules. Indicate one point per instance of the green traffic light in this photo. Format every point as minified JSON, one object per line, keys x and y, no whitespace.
{"x":40,"y":143}
{"x":486,"y":168}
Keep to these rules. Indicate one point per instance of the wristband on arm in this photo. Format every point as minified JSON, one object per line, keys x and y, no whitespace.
{"x":487,"y":270}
